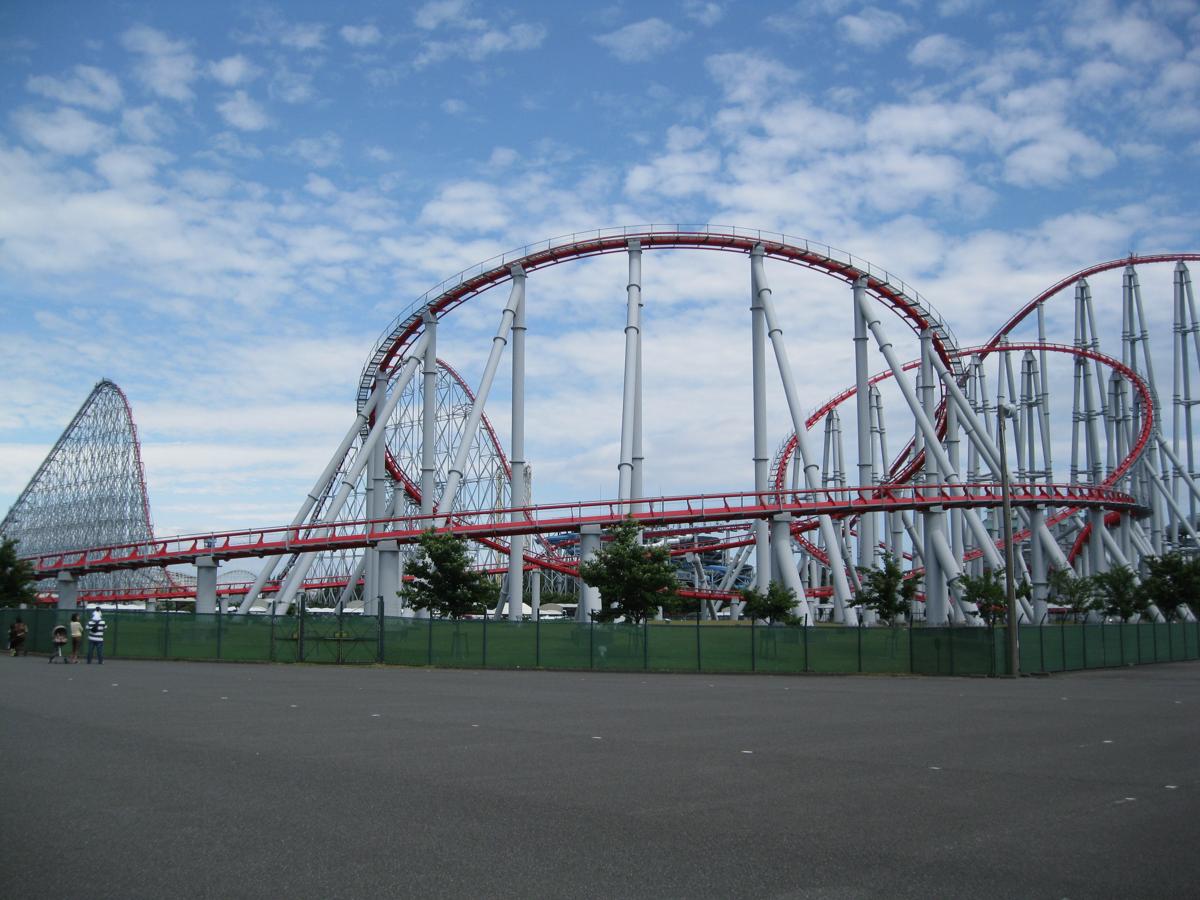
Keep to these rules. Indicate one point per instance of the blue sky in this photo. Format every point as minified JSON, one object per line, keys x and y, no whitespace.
{"x":220,"y":206}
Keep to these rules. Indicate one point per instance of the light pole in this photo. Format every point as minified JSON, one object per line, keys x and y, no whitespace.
{"x":1005,"y":411}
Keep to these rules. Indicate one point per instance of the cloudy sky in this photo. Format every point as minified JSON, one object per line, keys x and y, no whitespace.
{"x":220,"y":206}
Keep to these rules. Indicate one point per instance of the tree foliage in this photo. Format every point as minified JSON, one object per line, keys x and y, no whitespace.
{"x":987,"y":592}
{"x":442,"y":580}
{"x":16,"y":576}
{"x":775,"y":604}
{"x":886,"y":591}
{"x":1171,"y":580}
{"x":1118,"y":593}
{"x":1075,"y":592}
{"x":633,"y":580}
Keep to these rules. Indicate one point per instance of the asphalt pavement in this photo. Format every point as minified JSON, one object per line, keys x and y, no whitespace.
{"x":174,"y":779}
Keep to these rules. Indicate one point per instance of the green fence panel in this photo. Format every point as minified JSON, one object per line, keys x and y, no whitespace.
{"x":727,"y":648}
{"x":1032,"y":647}
{"x":781,"y":649}
{"x":285,"y":639}
{"x":1145,"y":636}
{"x":1178,"y":648}
{"x":512,"y":645}
{"x":136,"y":635}
{"x":999,"y":648}
{"x":1191,"y":632}
{"x":566,"y":645}
{"x":975,"y":650}
{"x":619,"y":646}
{"x":833,"y":649}
{"x":1129,"y":645}
{"x":457,"y":643}
{"x":673,"y":648}
{"x":884,"y":650}
{"x":1111,"y":637}
{"x":1162,"y":642}
{"x":406,"y":641}
{"x":246,"y":638}
{"x":1093,"y":646}
{"x":1053,"y":646}
{"x":193,"y":635}
{"x":931,"y":651}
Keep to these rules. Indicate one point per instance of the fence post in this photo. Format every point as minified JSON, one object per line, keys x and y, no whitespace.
{"x":219,"y":617}
{"x":753,"y":649}
{"x":271,"y":636}
{"x":1121,"y":642}
{"x":645,"y":643}
{"x":1042,"y":642}
{"x":1170,"y":643}
{"x":1062,"y":633}
{"x":699,"y":610}
{"x":429,"y":657}
{"x":860,"y":627}
{"x":592,"y":645}
{"x":379,"y":651}
{"x":805,"y":629}
{"x":910,"y":645}
{"x":166,"y":616}
{"x":483,"y":661}
{"x":300,"y":630}
{"x":1083,"y":632}
{"x":537,"y":639}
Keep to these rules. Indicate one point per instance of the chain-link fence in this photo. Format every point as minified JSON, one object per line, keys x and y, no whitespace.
{"x":653,"y":646}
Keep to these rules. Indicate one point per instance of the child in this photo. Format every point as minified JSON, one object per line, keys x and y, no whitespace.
{"x":59,"y":636}
{"x":16,"y":637}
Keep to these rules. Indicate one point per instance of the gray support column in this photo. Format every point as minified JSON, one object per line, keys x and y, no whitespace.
{"x":471,"y":428}
{"x":862,"y":398}
{"x":206,"y":585}
{"x":633,"y":327}
{"x":589,"y":597}
{"x":429,"y":378}
{"x":785,"y":564}
{"x":762,"y":529}
{"x":937,"y":600}
{"x":837,"y":567}
{"x":68,"y":591}
{"x":389,"y":577}
{"x":517,"y":496}
{"x":376,"y":501}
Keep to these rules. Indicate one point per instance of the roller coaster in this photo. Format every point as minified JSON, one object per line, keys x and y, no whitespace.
{"x":420,"y":452}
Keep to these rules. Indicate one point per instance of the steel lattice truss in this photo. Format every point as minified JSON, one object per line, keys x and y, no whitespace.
{"x":485,"y":483}
{"x":89,"y":490}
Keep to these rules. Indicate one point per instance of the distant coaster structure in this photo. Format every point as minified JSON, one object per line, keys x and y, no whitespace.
{"x":420,"y":453}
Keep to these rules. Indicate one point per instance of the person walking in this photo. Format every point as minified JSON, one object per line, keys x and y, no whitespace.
{"x":58,"y":636}
{"x":76,"y":636}
{"x":95,"y":633}
{"x":16,"y":637}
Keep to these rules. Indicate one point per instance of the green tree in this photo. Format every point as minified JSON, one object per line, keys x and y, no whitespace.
{"x":633,"y":580}
{"x":987,"y":592}
{"x":886,"y":591}
{"x":16,"y":577}
{"x":775,"y":604}
{"x":442,"y":580}
{"x":1171,"y":580}
{"x":1119,"y":594}
{"x":1075,"y":592}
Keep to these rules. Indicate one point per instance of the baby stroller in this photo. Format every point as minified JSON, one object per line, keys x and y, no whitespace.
{"x":59,"y":637}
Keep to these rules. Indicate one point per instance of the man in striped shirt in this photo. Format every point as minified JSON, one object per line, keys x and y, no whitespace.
{"x":95,"y":634}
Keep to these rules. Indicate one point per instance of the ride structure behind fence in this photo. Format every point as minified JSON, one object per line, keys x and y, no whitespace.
{"x":662,"y":647}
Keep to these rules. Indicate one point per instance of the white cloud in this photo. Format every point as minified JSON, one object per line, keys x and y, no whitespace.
{"x":939,"y":50}
{"x":65,"y":131}
{"x":165,"y":67}
{"x":1127,"y":33}
{"x":88,"y":86}
{"x":360,"y":35}
{"x":131,"y":165}
{"x":502,"y":158}
{"x":378,"y":154}
{"x":447,"y":12}
{"x":146,"y":123}
{"x":469,"y":205}
{"x":872,"y":27}
{"x":453,"y":106}
{"x":242,"y":112}
{"x":641,"y":41}
{"x":320,"y":151}
{"x":319,"y":186}
{"x":1055,"y":157}
{"x":478,"y":46}
{"x":290,"y":86}
{"x":707,"y":12}
{"x":746,"y":78}
{"x":234,"y":70}
{"x":303,"y":36}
